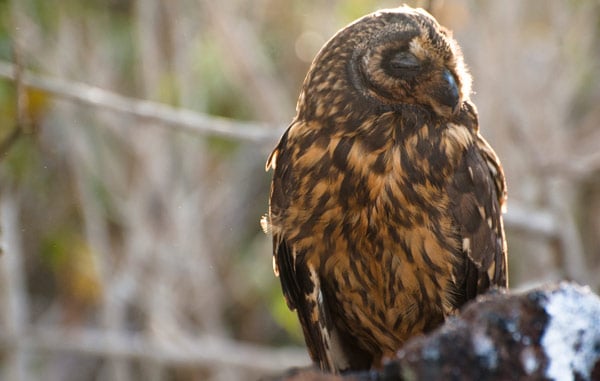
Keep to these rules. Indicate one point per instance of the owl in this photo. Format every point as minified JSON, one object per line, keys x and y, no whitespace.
{"x":386,"y":202}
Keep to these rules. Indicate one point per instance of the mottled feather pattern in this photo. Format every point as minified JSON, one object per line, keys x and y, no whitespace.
{"x":386,"y":202}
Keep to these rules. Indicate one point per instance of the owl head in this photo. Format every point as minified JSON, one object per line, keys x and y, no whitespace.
{"x":388,"y":58}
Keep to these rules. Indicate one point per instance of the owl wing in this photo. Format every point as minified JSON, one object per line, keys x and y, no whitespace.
{"x":300,"y":281}
{"x":478,"y":193}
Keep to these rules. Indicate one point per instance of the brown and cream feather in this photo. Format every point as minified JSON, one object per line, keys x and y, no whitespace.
{"x":386,"y":202}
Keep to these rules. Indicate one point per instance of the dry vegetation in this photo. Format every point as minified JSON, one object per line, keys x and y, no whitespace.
{"x":133,"y":138}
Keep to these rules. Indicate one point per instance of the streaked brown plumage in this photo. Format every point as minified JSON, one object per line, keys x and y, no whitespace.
{"x":386,"y":202}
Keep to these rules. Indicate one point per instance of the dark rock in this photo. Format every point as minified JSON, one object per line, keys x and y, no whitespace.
{"x":551,"y":333}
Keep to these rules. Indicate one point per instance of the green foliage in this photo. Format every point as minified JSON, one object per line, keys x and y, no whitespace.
{"x":21,"y":160}
{"x":216,"y":88}
{"x":353,"y":9}
{"x":286,"y":318}
{"x":71,"y":262}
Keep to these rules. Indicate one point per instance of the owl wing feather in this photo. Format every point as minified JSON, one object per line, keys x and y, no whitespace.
{"x":300,"y":281}
{"x":478,"y":193}
{"x":298,"y":290}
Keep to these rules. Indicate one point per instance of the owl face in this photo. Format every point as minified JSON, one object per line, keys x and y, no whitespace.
{"x":398,"y":56}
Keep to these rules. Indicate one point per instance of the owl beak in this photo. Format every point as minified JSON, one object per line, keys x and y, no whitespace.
{"x":449,"y":94}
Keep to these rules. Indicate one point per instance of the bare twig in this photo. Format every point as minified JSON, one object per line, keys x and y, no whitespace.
{"x":15,"y":311}
{"x":159,"y":112}
{"x":22,"y":120}
{"x":252,"y":68}
{"x":8,"y":141}
{"x":534,"y":221}
{"x":562,"y":197}
{"x":21,"y":100}
{"x":202,"y":350}
{"x":12,"y":284}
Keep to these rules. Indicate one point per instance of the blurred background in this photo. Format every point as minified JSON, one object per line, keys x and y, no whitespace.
{"x":133,"y":137}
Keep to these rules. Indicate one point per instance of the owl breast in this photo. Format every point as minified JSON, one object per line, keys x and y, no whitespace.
{"x":377,"y":226}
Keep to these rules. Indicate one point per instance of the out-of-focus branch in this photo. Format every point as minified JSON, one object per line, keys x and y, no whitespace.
{"x":8,"y":141}
{"x":183,"y":351}
{"x":23,"y":124}
{"x":159,"y":112}
{"x":536,"y":221}
{"x":252,"y":68}
{"x":13,"y":295}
